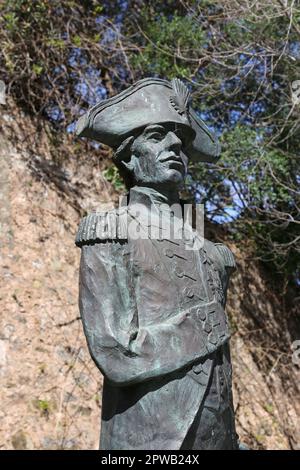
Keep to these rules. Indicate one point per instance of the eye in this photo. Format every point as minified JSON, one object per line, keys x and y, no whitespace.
{"x":156,"y":136}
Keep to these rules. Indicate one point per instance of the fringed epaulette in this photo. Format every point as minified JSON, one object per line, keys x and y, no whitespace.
{"x":227,"y":255}
{"x":102,"y":226}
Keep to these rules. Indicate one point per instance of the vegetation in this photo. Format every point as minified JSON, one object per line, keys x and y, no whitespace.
{"x":241,"y":62}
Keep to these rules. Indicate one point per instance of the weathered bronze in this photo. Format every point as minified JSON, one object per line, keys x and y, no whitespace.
{"x":152,"y":290}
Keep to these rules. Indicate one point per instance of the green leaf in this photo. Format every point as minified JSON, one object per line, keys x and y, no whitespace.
{"x":37,"y":69}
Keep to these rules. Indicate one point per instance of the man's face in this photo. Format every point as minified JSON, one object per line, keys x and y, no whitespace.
{"x":157,"y":159}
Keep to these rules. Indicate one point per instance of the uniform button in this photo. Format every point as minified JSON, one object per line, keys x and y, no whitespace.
{"x":201,"y":314}
{"x":188,"y":237}
{"x":169,"y":253}
{"x":188,"y":292}
{"x":207,"y":327}
{"x":188,"y":242}
{"x":179,"y":273}
{"x":197,"y":369}
{"x":213,"y":339}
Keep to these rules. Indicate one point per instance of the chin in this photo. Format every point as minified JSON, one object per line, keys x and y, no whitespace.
{"x":174,"y":176}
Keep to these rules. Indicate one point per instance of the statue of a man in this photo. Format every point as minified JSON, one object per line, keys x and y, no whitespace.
{"x":152,"y":306}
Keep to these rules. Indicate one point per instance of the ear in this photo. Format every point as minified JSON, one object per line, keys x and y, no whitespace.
{"x":123,"y":152}
{"x":128,"y":165}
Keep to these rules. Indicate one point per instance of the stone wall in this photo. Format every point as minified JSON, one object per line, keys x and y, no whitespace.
{"x":50,"y":391}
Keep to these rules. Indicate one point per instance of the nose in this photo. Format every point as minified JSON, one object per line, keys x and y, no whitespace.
{"x":174,"y":143}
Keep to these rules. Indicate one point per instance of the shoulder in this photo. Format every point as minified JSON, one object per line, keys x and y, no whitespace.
{"x":99,"y":227}
{"x":221,"y":254}
{"x":226,"y":255}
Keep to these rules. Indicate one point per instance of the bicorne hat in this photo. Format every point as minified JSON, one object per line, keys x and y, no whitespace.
{"x":149,"y":101}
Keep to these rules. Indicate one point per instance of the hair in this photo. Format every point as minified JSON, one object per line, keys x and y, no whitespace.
{"x":123,"y":154}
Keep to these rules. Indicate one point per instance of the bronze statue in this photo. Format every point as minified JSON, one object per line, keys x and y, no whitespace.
{"x":153,"y":306}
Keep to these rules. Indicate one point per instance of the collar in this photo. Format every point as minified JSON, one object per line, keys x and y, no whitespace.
{"x":150,"y":198}
{"x":150,"y":208}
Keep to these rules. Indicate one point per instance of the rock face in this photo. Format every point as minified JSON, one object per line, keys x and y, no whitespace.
{"x":50,"y":391}
{"x":266,"y":381}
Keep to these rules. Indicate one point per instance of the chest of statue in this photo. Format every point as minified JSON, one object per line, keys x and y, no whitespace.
{"x":166,"y":276}
{"x":177,"y":279}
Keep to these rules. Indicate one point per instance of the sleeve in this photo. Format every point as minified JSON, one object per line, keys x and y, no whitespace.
{"x":124,"y":352}
{"x":227,"y":256}
{"x":227,"y":264}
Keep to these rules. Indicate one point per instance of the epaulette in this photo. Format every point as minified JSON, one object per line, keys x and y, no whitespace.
{"x":227,"y":255}
{"x":99,"y":227}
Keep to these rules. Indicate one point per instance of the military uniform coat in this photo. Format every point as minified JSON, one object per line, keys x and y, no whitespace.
{"x":153,"y":315}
